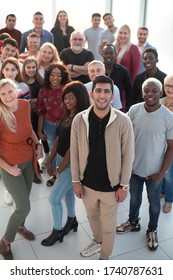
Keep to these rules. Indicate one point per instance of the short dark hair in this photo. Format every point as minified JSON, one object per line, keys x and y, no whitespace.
{"x":10,"y":41}
{"x":96,"y":15}
{"x":38,"y":14}
{"x":153,"y":50}
{"x":110,"y":45}
{"x":10,"y":15}
{"x":143,"y":28}
{"x":4,"y":36}
{"x":81,"y":93}
{"x":103,"y":79}
{"x":107,"y":14}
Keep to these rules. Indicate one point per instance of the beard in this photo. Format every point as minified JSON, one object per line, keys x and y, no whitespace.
{"x":77,"y":49}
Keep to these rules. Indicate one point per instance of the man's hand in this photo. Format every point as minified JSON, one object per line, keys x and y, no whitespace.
{"x":79,"y":190}
{"x":120,"y":195}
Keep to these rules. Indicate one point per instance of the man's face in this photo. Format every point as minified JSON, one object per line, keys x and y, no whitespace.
{"x":96,"y":22}
{"x":7,"y":51}
{"x":77,"y":42}
{"x":95,"y":70}
{"x":33,"y":44}
{"x":102,"y":95}
{"x":109,"y":55}
{"x":38,"y":21}
{"x":149,"y":60}
{"x":151,"y":95}
{"x":10,"y":22}
{"x":142,"y":36}
{"x":108,"y":21}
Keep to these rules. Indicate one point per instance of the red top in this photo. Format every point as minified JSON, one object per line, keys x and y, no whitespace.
{"x":131,"y":60}
{"x":49,"y":104}
{"x":14,"y":148}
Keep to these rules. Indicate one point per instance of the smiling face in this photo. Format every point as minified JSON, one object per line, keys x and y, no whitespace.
{"x":46,"y":54}
{"x":8,"y":96}
{"x":151,"y":95}
{"x":123,"y":36}
{"x":10,"y":71}
{"x":149,"y":60}
{"x":102,"y":95}
{"x":168,"y":87}
{"x":55,"y":78}
{"x":70,"y":102}
{"x":95,"y":69}
{"x":109,"y":55}
{"x":30,"y":69}
{"x":77,"y":41}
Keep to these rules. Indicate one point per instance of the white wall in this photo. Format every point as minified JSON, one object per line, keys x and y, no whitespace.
{"x":159,"y":19}
{"x":160,"y":23}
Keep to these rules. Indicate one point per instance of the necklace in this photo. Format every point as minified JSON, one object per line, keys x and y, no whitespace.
{"x":166,"y":104}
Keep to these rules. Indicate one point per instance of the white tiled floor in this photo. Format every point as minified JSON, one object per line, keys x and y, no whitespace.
{"x":130,"y":246}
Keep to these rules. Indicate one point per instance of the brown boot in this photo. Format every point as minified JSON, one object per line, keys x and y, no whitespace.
{"x":26,"y":233}
{"x":5,"y":250}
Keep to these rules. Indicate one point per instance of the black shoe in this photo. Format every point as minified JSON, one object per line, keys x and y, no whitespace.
{"x":71,"y":223}
{"x":56,"y":235}
{"x":36,"y":180}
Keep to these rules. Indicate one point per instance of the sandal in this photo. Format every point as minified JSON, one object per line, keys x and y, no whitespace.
{"x":51,"y":181}
{"x":167,"y":207}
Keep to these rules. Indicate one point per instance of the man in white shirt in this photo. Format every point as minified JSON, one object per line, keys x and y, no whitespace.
{"x":97,"y":68}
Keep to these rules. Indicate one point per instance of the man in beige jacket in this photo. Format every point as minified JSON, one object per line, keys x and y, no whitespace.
{"x":102,"y":152}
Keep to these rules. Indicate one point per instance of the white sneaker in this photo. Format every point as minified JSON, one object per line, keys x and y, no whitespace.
{"x":45,"y":161}
{"x":7,"y":197}
{"x":91,"y":249}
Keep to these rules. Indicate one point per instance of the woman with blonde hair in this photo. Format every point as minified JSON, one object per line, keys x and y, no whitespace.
{"x":47,"y":54}
{"x":128,"y":54}
{"x":19,"y":152}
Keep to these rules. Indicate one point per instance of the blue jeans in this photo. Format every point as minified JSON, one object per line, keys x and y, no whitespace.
{"x":63,"y":187}
{"x":167,"y":185}
{"x":153,"y":193}
{"x":50,"y":131}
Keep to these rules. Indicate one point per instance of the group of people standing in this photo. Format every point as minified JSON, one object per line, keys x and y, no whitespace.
{"x":91,"y":147}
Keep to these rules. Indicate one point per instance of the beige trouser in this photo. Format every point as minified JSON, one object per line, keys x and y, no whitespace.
{"x":101,"y":208}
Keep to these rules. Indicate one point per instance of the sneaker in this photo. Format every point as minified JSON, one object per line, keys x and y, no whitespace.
{"x":5,"y":250}
{"x":45,"y":161}
{"x":127,"y":227}
{"x":91,"y":249}
{"x":7,"y":197}
{"x":26,"y":233}
{"x":152,"y":239}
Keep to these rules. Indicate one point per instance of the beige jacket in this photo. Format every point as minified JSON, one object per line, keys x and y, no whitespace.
{"x":119,"y":142}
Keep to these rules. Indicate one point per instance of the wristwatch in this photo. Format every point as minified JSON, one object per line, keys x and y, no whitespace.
{"x":125,"y":188}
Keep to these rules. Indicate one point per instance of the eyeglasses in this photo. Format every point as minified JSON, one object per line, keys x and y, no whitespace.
{"x":78,"y":39}
{"x":100,"y":90}
{"x":168,"y":86}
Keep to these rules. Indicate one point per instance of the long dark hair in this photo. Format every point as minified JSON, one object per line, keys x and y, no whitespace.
{"x":64,"y":73}
{"x":57,"y":23}
{"x":80,"y":92}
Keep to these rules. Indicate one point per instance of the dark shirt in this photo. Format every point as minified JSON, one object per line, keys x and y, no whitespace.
{"x":14,"y":33}
{"x":69,"y":57}
{"x":96,"y":175}
{"x":63,"y":134}
{"x":138,"y":81}
{"x":61,"y":41}
{"x":121,"y":79}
